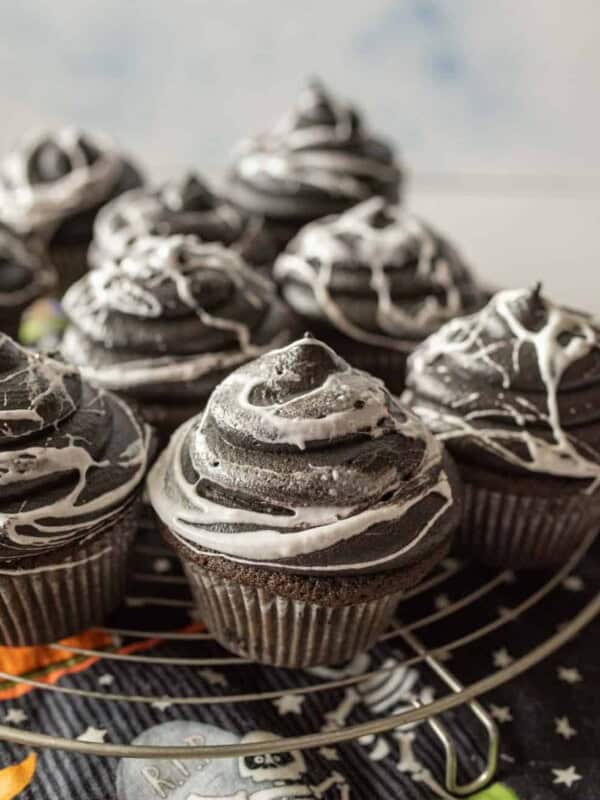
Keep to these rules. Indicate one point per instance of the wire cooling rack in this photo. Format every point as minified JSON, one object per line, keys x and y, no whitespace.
{"x":456,"y":610}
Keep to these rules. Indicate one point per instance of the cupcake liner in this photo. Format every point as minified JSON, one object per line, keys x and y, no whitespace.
{"x":70,"y":262}
{"x":258,"y":624}
{"x":509,"y":530}
{"x":50,"y":602}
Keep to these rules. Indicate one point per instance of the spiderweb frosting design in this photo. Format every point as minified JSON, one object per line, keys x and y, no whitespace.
{"x":184,"y":206}
{"x":377,"y":274}
{"x":515,"y":384}
{"x":53,"y":174}
{"x":320,"y":157}
{"x":174,"y":310}
{"x":303,"y":463}
{"x":71,"y":456}
{"x":24,"y":273}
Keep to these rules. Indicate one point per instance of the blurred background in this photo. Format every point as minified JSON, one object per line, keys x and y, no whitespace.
{"x":493,"y":104}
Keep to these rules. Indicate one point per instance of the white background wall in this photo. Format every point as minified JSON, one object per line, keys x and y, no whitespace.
{"x":494,"y":103}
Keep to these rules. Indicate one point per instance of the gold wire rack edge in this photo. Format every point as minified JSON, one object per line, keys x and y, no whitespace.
{"x":308,"y":741}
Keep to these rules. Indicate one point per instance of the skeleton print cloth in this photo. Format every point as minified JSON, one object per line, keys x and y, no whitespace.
{"x":548,"y":719}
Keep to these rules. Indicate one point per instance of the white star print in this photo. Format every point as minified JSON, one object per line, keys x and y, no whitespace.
{"x":330,"y":753}
{"x":105,"y":680}
{"x":15,"y":716}
{"x":161,"y":565}
{"x":501,"y":713}
{"x":163,"y":704}
{"x":502,"y":658}
{"x":569,"y":675}
{"x":92,"y":734}
{"x":441,"y":601}
{"x":564,"y":727}
{"x":289,"y":703}
{"x":567,"y":776}
{"x":213,"y":677}
{"x":573,"y":583}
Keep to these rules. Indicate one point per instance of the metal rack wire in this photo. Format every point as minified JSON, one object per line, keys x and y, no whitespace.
{"x":483,"y":587}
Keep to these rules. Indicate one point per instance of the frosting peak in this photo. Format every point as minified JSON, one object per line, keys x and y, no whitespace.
{"x":71,"y":456}
{"x":296,"y":458}
{"x":378,"y":274}
{"x":173,"y":310}
{"x":185,"y":205}
{"x":318,"y":159}
{"x":52,"y":174}
{"x":517,"y":382}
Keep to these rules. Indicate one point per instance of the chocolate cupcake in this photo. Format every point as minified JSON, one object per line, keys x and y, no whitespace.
{"x":513,"y":393}
{"x":185,"y":206}
{"x":72,"y":462}
{"x":318,"y":160}
{"x":52,"y":186}
{"x":302,"y":503}
{"x":373,"y":282}
{"x":25,"y":276}
{"x":166,"y":323}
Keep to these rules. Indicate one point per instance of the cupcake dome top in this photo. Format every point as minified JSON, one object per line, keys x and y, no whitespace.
{"x":517,"y":384}
{"x":318,"y":160}
{"x":302,"y":463}
{"x":183,"y":206}
{"x":378,"y":274}
{"x":172,"y":311}
{"x":71,"y":455}
{"x":53,"y":174}
{"x":24,"y":273}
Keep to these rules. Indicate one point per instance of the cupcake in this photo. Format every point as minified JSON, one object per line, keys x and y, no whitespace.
{"x":72,"y":463}
{"x":302,"y":502}
{"x":166,"y":323}
{"x":25,"y":276}
{"x":373,"y":282}
{"x":318,"y":160}
{"x":184,"y":206}
{"x":513,"y":393}
{"x":53,"y":185}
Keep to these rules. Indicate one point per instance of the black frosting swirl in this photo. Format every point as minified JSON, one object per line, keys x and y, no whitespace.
{"x":183,"y":206}
{"x":515,"y":386}
{"x":25,"y":273}
{"x":174,"y":312}
{"x":72,"y":457}
{"x":54,"y":176}
{"x":318,"y":160}
{"x":303,"y":463}
{"x":377,"y":274}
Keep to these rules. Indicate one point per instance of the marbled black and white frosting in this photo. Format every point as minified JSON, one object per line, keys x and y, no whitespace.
{"x":318,"y":160}
{"x":25,"y":274}
{"x":175,"y":313}
{"x":54,"y":174}
{"x":304,"y":464}
{"x":72,"y":456}
{"x":377,"y":274}
{"x":515,"y":386}
{"x":183,"y":206}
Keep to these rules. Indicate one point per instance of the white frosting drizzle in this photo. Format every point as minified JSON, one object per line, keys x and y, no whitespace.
{"x":313,"y":155}
{"x":188,"y":515}
{"x":137,"y":212}
{"x":68,"y":516}
{"x":131,"y":286}
{"x":380,"y":250}
{"x":463,"y":341}
{"x":41,"y":275}
{"x":27,"y":206}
